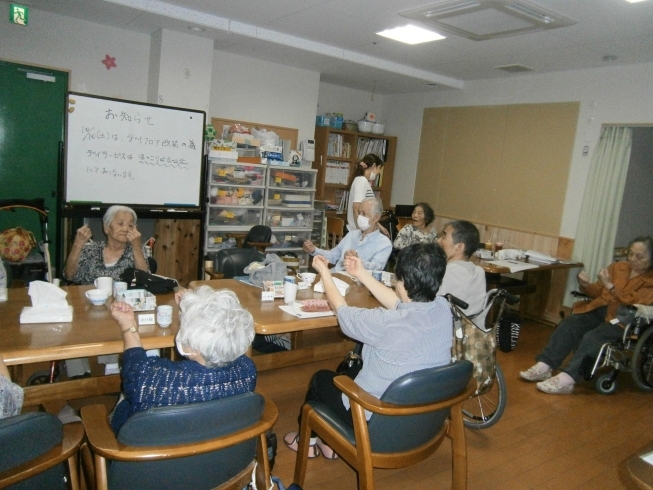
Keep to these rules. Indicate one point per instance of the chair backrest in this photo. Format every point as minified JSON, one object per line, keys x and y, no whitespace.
{"x":232,"y":261}
{"x":335,"y":230}
{"x":26,"y":437}
{"x":151,"y":263}
{"x":257,"y":234}
{"x":400,"y":433}
{"x":183,"y":424}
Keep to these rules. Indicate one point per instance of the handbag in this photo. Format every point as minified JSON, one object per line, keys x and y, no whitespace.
{"x":155,"y":284}
{"x":479,"y":347}
{"x":16,"y":244}
{"x":352,"y":363}
{"x":508,"y":331}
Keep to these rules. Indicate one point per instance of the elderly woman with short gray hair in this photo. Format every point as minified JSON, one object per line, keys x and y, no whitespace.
{"x":89,"y":260}
{"x":214,"y":335}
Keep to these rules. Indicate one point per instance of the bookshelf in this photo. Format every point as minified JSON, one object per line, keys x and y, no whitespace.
{"x":338,"y":151}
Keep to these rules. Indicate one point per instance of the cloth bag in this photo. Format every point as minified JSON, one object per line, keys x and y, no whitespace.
{"x":508,"y":331}
{"x":155,"y":284}
{"x":16,"y":244}
{"x":478,"y":347}
{"x":271,"y":269}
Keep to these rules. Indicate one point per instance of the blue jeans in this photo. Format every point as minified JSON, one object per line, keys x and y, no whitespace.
{"x":583,"y":334}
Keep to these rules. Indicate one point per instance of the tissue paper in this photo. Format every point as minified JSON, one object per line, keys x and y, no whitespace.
{"x":49,"y":304}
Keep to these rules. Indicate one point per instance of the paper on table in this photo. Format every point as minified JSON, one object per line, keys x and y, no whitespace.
{"x":648,"y":457}
{"x":301,"y":314}
{"x":513,"y":265}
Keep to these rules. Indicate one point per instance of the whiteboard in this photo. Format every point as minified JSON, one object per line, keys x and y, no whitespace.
{"x":124,"y":152}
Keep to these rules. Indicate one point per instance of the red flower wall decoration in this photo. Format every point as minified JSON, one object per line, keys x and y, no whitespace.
{"x":109,"y":62}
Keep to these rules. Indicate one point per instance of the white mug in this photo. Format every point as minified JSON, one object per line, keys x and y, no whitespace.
{"x":289,"y":292}
{"x":104,"y":283}
{"x":164,"y":315}
{"x":119,"y":287}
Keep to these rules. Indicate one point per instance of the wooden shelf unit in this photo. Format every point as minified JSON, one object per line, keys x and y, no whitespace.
{"x":327,"y":191}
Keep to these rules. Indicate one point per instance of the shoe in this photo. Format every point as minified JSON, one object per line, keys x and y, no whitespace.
{"x":534,"y":373}
{"x":326,"y":450}
{"x":291,"y":439}
{"x":555,"y":386}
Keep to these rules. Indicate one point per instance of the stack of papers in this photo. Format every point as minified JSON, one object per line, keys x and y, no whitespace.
{"x":540,"y":257}
{"x":513,"y":265}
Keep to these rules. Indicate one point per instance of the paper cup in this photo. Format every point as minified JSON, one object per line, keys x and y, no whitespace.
{"x":119,"y":287}
{"x":164,"y":315}
{"x":289,"y":292}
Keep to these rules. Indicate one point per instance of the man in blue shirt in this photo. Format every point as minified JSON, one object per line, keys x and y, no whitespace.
{"x":367,"y":243}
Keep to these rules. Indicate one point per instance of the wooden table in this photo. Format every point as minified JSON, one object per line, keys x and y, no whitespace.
{"x":270,"y":319}
{"x":638,"y":471}
{"x":92,"y":332}
{"x":541,"y":289}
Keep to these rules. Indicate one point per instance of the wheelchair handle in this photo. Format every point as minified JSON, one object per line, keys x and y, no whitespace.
{"x":455,"y":301}
{"x":511,"y":299}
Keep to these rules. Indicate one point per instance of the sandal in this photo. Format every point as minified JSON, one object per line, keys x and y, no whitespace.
{"x":326,"y":450}
{"x":291,"y":439}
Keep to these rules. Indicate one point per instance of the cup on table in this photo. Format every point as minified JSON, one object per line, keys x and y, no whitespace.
{"x":97,"y":296}
{"x":289,"y":292}
{"x":56,"y":282}
{"x":104,"y":283}
{"x":290,"y":279}
{"x":119,"y":287}
{"x":164,"y":315}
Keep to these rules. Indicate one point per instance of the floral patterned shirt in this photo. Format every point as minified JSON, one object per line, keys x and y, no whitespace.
{"x":91,"y":263}
{"x":11,"y":398}
{"x":409,"y":235}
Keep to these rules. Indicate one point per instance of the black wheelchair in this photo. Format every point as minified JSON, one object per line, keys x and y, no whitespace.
{"x":632,"y":353}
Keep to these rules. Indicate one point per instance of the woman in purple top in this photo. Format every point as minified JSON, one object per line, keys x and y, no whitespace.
{"x":214,"y":335}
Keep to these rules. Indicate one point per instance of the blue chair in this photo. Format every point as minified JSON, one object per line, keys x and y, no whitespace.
{"x":35,"y":450}
{"x":408,"y":424}
{"x":205,"y":445}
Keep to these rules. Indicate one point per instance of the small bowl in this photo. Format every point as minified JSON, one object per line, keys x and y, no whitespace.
{"x":97,"y":296}
{"x":365,"y":126}
{"x":378,"y":128}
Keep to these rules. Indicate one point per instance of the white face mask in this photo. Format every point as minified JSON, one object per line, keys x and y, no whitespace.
{"x":363,"y":222}
{"x":181,"y":350}
{"x":372,"y":175}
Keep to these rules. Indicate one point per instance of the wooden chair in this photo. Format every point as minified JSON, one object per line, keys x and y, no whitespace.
{"x":335,"y":230}
{"x":35,"y":447}
{"x":214,"y":444}
{"x":408,"y":423}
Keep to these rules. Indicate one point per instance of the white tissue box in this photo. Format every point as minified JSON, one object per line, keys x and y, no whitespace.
{"x":47,"y":314}
{"x":342,"y":286}
{"x":139,"y":299}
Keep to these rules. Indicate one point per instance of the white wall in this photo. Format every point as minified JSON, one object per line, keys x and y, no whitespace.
{"x":247,"y":89}
{"x":607,"y":96}
{"x":352,"y":104}
{"x":65,"y":43}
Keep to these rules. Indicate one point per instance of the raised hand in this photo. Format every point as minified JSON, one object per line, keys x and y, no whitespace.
{"x":134,"y":237}
{"x":353,"y":265}
{"x":82,"y":236}
{"x":309,"y":247}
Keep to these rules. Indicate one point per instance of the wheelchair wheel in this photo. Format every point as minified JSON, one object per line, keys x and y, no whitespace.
{"x":642,"y":361}
{"x":483,"y":411}
{"x":605,"y":384}
{"x":39,"y":378}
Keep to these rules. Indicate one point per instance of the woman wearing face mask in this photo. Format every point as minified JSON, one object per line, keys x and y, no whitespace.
{"x":366,"y":242}
{"x":463,"y":279}
{"x":215,"y":332}
{"x":366,"y":170}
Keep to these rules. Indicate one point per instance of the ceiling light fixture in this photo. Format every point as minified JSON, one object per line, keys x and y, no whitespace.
{"x":411,"y":34}
{"x":196,"y":29}
{"x":635,"y":1}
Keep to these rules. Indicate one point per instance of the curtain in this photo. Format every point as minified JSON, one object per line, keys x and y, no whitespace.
{"x":599,"y":214}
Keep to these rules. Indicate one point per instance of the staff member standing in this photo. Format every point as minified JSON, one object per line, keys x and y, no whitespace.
{"x":367,"y":169}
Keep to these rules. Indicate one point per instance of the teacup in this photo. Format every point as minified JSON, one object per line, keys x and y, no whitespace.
{"x":97,"y":296}
{"x":307,"y":277}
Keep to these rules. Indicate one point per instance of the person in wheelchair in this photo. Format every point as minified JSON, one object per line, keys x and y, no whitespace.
{"x":594,"y":322}
{"x":463,"y":279}
{"x":411,"y":332}
{"x":419,"y":231}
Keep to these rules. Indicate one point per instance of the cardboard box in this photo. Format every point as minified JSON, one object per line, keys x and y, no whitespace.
{"x":139,"y":299}
{"x":243,"y":139}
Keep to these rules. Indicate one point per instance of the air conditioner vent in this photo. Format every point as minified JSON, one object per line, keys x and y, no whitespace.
{"x":516,"y":68}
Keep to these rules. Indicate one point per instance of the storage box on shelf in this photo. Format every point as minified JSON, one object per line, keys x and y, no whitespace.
{"x":338,"y":151}
{"x":289,"y":200}
{"x":319,"y":231}
{"x":236,"y":199}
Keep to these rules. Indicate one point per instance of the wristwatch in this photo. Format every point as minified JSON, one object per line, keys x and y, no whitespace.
{"x":131,"y":329}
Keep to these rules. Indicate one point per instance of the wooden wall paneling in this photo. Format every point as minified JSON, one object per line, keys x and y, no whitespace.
{"x":177,"y":248}
{"x":506,"y":166}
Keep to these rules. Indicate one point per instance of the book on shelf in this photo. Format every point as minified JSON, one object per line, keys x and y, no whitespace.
{"x":342,"y":196}
{"x":376,"y":146}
